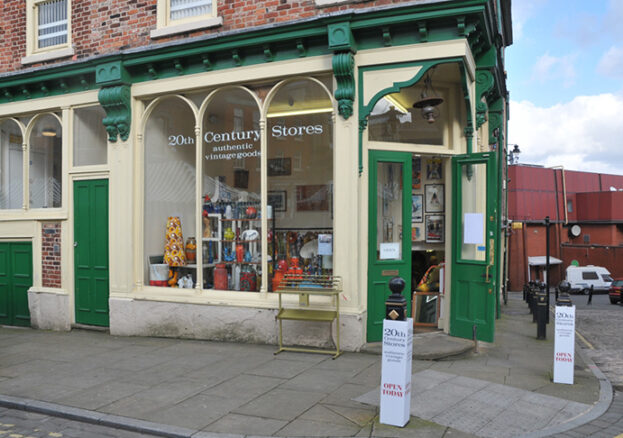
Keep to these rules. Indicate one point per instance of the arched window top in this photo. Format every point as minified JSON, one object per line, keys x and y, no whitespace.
{"x":299,"y":96}
{"x":172,"y":103}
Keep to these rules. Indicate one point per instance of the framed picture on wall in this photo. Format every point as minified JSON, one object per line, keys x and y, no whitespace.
{"x":434,"y":198}
{"x":434,"y":169}
{"x":278,"y":199}
{"x":416,"y":208}
{"x":416,"y":233}
{"x":416,"y":182}
{"x":434,"y":228}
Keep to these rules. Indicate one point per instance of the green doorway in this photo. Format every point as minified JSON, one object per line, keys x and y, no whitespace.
{"x":91,"y":260}
{"x":389,"y":232}
{"x":15,"y":280}
{"x":474,"y":262}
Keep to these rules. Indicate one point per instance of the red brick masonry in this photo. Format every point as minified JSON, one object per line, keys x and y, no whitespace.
{"x":51,"y":254}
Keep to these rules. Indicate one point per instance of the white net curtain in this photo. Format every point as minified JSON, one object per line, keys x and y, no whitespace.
{"x":181,"y":9}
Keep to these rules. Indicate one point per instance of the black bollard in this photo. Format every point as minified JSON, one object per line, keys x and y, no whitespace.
{"x":541,"y":310}
{"x":563,"y":296}
{"x":590,"y":295}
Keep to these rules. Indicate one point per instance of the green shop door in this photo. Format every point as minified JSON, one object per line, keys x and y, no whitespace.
{"x":91,"y":251}
{"x":389,"y":233}
{"x":474,"y":264}
{"x":15,"y":280}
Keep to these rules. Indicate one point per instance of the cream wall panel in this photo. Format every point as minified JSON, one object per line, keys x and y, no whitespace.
{"x":48,"y":103}
{"x":377,"y":80}
{"x":419,"y":52}
{"x":295,"y":67}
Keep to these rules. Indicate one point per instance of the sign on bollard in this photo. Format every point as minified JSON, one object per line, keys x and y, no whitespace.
{"x":564,"y":344}
{"x":396,"y":372}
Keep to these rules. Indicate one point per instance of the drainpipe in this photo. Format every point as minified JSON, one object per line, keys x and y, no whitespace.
{"x":566,"y":210}
{"x":564,"y":192}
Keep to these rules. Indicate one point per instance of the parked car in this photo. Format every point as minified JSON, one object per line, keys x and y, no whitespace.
{"x":581,"y":278}
{"x":615,"y":290}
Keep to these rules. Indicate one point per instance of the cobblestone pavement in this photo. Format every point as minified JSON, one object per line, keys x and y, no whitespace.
{"x":22,"y":424}
{"x":600,"y":326}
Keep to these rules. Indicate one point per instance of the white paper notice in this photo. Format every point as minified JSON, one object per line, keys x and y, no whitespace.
{"x":389,"y":251}
{"x":474,"y":227}
{"x":325,"y":244}
{"x":564,"y":344}
{"x":396,"y":372}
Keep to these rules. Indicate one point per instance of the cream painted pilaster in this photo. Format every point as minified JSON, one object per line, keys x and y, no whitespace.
{"x":121,"y":212}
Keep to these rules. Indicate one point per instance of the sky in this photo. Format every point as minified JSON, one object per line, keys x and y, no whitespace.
{"x":565,"y":79}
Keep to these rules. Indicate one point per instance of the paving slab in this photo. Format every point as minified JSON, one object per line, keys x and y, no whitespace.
{"x":246,"y":425}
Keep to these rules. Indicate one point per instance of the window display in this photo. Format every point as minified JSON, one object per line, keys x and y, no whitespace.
{"x":220,"y":216}
{"x":231,"y":212}
{"x":169,"y":182}
{"x":300,"y":179}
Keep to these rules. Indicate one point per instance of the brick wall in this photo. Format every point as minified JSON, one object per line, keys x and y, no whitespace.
{"x":51,"y":254}
{"x":106,"y":26}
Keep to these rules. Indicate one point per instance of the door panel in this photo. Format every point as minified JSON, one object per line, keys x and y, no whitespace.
{"x":22,"y":281}
{"x":91,"y":252}
{"x":389,"y":232}
{"x":5,"y":288}
{"x":15,"y":280}
{"x":473,"y":259}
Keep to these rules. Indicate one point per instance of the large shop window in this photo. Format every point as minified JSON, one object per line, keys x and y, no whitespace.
{"x":11,"y":166}
{"x":300,"y":178}
{"x":210,"y":231}
{"x":45,"y":170}
{"x":231,"y":213}
{"x":170,"y":175}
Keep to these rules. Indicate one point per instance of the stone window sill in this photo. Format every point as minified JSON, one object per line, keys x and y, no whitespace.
{"x":186,"y":27}
{"x":47,"y":56}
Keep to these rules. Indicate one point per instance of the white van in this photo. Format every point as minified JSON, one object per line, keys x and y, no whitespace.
{"x":581,"y":278}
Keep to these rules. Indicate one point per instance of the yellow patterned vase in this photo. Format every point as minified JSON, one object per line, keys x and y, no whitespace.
{"x":174,"y":243}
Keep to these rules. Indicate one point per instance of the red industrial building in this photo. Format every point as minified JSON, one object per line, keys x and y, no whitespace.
{"x":586,"y":215}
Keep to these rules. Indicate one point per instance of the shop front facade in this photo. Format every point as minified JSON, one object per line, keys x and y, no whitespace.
{"x":165,"y":190}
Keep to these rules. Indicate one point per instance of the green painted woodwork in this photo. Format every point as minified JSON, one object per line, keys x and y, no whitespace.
{"x":341,"y":37}
{"x":484,"y":85}
{"x":112,"y":73}
{"x":496,"y":122}
{"x":91,"y":261}
{"x":473,"y":300}
{"x":15,"y":280}
{"x":343,"y":69}
{"x":378,"y":284}
{"x":116,"y":101}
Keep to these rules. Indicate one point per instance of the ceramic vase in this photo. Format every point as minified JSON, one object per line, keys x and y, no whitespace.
{"x":174,"y":254}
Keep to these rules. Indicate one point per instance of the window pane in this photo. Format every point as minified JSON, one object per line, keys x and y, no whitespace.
{"x":232,"y":188}
{"x":89,"y":136}
{"x":473,"y":211}
{"x":52,"y":25}
{"x":46,"y":163}
{"x":181,"y":9}
{"x":300,"y":178}
{"x":11,"y":166}
{"x":389,"y":210}
{"x":169,"y":187}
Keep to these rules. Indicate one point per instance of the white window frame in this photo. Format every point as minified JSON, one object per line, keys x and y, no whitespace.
{"x":33,"y":52}
{"x":165,"y":26}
